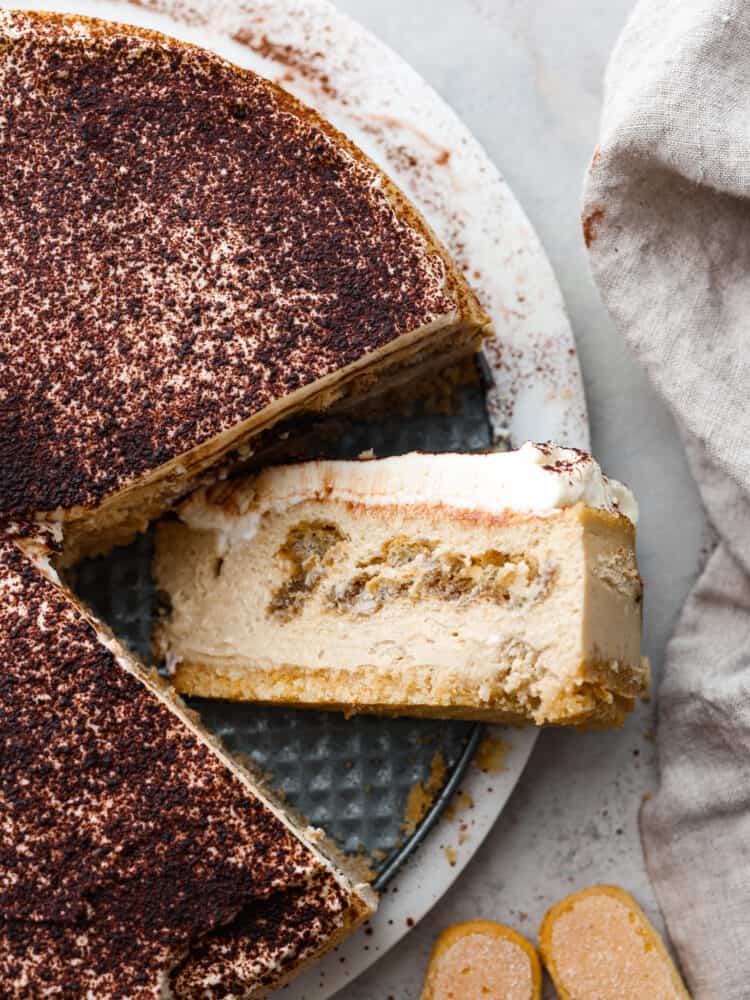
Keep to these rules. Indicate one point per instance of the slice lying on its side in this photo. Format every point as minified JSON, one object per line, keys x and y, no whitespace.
{"x":481,"y":960}
{"x":128,"y":838}
{"x":189,"y":256}
{"x":599,"y":943}
{"x":499,"y":586}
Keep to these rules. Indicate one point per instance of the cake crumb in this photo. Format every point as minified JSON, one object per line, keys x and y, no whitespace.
{"x":452,"y":855}
{"x":362,"y":864}
{"x":460,"y":803}
{"x":421,"y":796}
{"x":490,"y":755}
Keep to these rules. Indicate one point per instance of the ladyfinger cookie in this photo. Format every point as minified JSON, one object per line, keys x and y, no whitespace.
{"x":599,"y":943}
{"x":482,"y":960}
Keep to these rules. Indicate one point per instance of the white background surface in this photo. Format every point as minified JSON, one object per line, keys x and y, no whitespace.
{"x":526,"y":77}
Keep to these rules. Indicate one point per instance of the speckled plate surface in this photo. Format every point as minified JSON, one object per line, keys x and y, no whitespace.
{"x":354,"y":776}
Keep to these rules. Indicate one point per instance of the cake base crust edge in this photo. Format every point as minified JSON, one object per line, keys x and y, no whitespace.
{"x":604,"y":695}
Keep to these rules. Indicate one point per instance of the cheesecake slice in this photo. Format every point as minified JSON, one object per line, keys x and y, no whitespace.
{"x":499,"y":586}
{"x":189,"y":255}
{"x":131,"y":847}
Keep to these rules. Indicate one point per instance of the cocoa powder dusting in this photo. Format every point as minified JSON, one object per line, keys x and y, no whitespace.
{"x":125,"y":838}
{"x":184,"y":245}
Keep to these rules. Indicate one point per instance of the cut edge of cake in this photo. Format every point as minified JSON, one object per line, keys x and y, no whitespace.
{"x":572,"y":658}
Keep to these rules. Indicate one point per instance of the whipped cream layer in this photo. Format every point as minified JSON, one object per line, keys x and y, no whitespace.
{"x":537,"y":479}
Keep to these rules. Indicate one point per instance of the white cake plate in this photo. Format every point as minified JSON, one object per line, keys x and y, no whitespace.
{"x":372,"y":95}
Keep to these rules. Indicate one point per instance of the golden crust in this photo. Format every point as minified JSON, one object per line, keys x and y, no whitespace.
{"x":588,"y":705}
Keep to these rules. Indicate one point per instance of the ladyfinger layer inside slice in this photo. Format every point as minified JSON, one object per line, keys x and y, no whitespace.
{"x":137,"y":860}
{"x":499,"y":586}
{"x":599,"y":943}
{"x":482,"y":960}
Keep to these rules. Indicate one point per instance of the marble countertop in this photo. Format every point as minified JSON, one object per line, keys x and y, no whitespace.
{"x":526,"y":77}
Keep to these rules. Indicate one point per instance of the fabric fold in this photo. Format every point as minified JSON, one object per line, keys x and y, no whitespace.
{"x":666,"y":217}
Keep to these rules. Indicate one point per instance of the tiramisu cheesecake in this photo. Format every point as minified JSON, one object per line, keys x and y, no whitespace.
{"x":189,"y":255}
{"x":136,"y":860}
{"x":498,"y":586}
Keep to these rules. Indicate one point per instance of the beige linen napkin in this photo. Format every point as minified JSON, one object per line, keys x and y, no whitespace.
{"x":667,"y":220}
